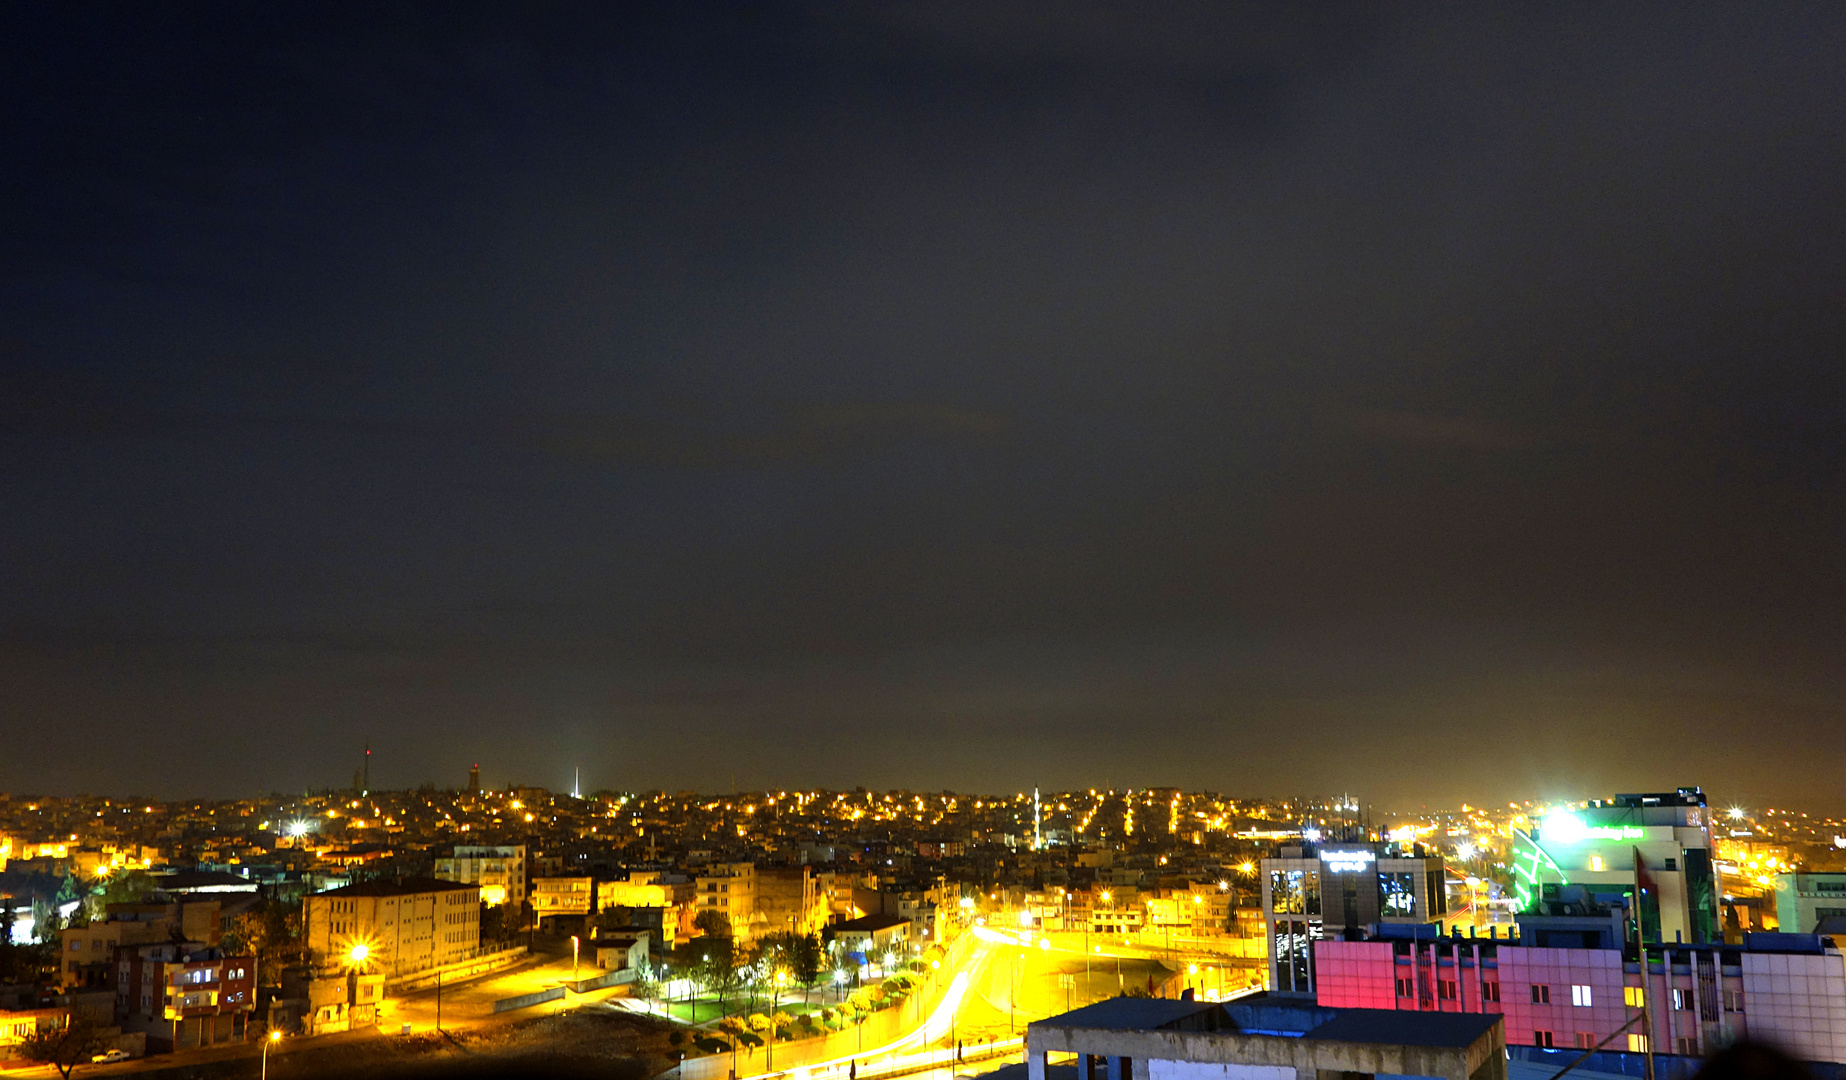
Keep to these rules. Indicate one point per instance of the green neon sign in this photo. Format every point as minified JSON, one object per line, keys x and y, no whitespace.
{"x":1531,"y":863}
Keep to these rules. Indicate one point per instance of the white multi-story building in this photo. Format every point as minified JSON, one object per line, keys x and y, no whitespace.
{"x":394,"y":926}
{"x":500,"y":871}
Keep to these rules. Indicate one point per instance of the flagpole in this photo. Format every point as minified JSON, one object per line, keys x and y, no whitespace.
{"x":1640,"y":943}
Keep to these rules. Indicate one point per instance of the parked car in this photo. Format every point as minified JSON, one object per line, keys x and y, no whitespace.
{"x":111,"y":1055}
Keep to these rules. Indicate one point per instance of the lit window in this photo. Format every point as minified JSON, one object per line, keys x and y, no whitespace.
{"x":1632,"y":996}
{"x":1580,"y":996}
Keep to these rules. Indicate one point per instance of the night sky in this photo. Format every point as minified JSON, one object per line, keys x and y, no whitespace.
{"x":1440,"y":404}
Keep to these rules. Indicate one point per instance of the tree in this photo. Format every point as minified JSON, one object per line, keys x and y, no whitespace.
{"x":806,"y":962}
{"x":712,"y":923}
{"x":124,"y":887}
{"x":647,"y":982}
{"x":717,"y":967}
{"x":271,"y":931}
{"x":68,"y":1045}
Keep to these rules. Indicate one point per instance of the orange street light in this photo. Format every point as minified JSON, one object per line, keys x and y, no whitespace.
{"x":274,"y":1038}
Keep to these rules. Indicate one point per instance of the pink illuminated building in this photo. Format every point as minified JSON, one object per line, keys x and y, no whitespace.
{"x":1787,"y":988}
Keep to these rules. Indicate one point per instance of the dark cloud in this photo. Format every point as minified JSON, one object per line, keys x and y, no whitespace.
{"x":1229,"y":395}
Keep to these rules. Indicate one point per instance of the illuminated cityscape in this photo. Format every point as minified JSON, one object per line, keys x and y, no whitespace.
{"x":922,"y":540}
{"x":200,"y":925}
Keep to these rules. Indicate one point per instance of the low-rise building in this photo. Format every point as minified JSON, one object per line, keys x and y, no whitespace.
{"x":640,"y":889}
{"x":870,"y":935}
{"x":1803,"y":900}
{"x":18,"y":1025}
{"x":620,"y":951}
{"x":87,"y":953}
{"x":1260,"y":1038}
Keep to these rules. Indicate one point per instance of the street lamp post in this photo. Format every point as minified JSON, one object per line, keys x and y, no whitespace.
{"x":274,"y":1038}
{"x":355,"y":960}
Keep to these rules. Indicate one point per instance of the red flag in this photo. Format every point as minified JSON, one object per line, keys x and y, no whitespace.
{"x":1643,"y":882}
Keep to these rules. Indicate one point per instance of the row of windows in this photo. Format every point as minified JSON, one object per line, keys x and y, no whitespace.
{"x":1449,"y":990}
{"x":1583,"y":996}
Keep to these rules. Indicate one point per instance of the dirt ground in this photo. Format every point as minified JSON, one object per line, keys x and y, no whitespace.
{"x":605,"y":1043}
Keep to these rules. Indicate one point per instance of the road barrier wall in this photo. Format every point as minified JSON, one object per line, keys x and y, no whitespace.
{"x":618,"y":977}
{"x":526,"y":1001}
{"x":456,"y":972}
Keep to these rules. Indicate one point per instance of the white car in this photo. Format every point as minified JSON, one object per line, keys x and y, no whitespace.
{"x":110,"y":1055}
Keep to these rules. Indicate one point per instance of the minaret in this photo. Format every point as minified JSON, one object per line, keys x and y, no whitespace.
{"x":365,"y":786}
{"x":576,"y":784}
{"x":1038,"y":841}
{"x":474,"y":779}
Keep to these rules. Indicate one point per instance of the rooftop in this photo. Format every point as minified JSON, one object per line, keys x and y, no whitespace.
{"x":868,"y":924}
{"x":1287,"y":1018}
{"x":397,"y":887}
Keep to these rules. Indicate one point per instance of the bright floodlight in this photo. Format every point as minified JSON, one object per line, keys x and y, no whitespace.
{"x":1310,"y":834}
{"x":1736,"y":813}
{"x":358,"y":953}
{"x":275,"y":1036}
{"x":1562,"y":826}
{"x":1464,"y":851}
{"x":298,"y":828}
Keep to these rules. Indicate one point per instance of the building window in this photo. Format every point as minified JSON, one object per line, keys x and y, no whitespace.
{"x":1541,"y":1039}
{"x":1733,"y":1001}
{"x":1637,"y":1044}
{"x":1682,"y":1000}
{"x":1445,"y":989}
{"x":1405,"y":988}
{"x":1580,"y":996}
{"x":1688,"y":1047}
{"x":1585,"y":1040}
{"x":1397,"y":894}
{"x":1490,"y":990}
{"x":1541,"y":995}
{"x":1633,"y":996}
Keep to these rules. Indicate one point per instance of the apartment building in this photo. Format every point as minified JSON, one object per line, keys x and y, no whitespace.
{"x":730,"y":889}
{"x":404,"y":926}
{"x":185,"y":993}
{"x":499,"y":870}
{"x":1787,"y":989}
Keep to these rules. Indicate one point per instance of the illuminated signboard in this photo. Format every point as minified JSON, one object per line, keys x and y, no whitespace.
{"x":1347,"y":862}
{"x":1563,"y":827}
